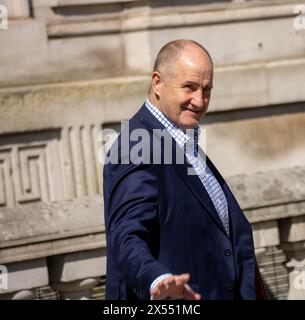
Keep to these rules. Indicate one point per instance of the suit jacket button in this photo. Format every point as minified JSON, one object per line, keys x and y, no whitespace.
{"x":228,"y":252}
{"x":230,"y":288}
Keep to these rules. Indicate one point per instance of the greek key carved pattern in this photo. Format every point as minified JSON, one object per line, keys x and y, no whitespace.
{"x":29,"y":169}
{"x":49,"y":166}
{"x":6,"y":183}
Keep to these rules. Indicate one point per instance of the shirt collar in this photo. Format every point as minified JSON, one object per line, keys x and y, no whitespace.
{"x":187,"y":140}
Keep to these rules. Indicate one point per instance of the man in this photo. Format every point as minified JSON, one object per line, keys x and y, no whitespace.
{"x":174,"y":233}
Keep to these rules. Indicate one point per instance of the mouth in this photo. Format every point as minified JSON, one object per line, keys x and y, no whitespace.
{"x":192,"y":112}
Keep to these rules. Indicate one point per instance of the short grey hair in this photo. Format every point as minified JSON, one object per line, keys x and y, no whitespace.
{"x":171,"y":52}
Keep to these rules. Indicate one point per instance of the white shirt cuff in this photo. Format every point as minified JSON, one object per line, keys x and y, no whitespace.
{"x":157,"y":280}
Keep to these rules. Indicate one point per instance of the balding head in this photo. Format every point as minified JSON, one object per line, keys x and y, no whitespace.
{"x":182,"y":81}
{"x":170,"y":53}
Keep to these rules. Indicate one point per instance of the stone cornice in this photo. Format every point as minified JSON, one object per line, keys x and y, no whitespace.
{"x":44,"y":229}
{"x":147,"y":18}
{"x":255,"y":85}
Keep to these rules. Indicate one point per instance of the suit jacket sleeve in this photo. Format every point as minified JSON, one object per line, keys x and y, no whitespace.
{"x":132,"y":224}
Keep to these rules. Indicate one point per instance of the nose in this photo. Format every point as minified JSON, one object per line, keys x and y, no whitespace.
{"x":197,"y":99}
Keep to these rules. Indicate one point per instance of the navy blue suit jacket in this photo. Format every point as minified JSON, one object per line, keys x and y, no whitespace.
{"x":159,"y":219}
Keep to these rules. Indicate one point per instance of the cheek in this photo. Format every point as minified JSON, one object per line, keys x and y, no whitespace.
{"x":184,"y":101}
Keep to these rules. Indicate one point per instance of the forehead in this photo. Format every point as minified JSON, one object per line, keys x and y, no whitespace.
{"x":193,"y":68}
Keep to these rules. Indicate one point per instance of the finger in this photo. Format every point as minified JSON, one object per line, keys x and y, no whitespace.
{"x":185,"y":277}
{"x":173,"y":287}
{"x":166,"y":284}
{"x":190,"y":294}
{"x":182,"y":279}
{"x":164,"y":289}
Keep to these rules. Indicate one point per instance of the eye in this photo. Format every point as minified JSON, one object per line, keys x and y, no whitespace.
{"x":207,"y":91}
{"x":189,"y":87}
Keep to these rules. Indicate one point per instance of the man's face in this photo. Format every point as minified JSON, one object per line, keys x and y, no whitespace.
{"x":184,"y":93}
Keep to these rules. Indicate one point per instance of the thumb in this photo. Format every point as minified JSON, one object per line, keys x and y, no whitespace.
{"x":184,"y":277}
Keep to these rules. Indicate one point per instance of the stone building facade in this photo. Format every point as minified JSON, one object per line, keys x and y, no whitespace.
{"x":70,"y":68}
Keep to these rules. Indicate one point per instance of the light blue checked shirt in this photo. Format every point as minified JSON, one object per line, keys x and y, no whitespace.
{"x":189,"y":143}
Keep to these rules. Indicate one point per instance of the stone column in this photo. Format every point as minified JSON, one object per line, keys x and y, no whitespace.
{"x":74,"y":275}
{"x":292,"y":232}
{"x":17,"y":8}
{"x":271,"y":258}
{"x":28,"y":294}
{"x":23,"y":278}
{"x":296,"y":269}
{"x":75,"y":290}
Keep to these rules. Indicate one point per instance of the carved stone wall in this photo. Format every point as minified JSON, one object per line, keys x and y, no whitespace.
{"x":70,"y":68}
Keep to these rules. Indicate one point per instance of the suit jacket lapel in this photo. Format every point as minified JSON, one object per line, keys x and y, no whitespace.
{"x":196,"y":186}
{"x":193,"y":181}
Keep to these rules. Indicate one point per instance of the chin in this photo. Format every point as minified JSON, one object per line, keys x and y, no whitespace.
{"x":189,"y":125}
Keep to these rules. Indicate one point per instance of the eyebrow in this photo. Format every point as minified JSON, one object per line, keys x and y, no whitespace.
{"x":210,"y":85}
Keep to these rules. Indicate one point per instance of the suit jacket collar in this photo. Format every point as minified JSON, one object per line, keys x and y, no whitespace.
{"x":148,"y":119}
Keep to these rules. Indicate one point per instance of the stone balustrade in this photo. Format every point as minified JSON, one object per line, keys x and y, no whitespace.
{"x":274,"y":203}
{"x":62,"y":244}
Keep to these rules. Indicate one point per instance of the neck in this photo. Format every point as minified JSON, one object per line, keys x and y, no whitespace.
{"x":153,"y":100}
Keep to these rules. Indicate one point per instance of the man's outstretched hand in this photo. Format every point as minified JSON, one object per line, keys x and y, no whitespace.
{"x":174,"y":287}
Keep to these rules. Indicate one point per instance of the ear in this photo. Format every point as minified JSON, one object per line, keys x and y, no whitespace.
{"x":156,"y":83}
